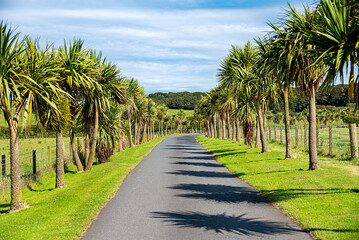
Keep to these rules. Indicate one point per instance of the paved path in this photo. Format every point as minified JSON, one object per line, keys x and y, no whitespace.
{"x":179,"y":191}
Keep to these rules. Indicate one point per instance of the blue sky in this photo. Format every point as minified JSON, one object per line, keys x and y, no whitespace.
{"x":166,"y":45}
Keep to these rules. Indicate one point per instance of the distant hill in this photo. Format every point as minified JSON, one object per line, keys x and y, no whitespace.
{"x":177,"y":100}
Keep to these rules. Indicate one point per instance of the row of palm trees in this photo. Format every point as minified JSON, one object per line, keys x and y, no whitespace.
{"x":75,"y":89}
{"x":307,"y":49}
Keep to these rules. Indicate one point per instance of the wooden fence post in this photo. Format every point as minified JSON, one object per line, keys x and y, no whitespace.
{"x":34,"y":162}
{"x":49,"y":156}
{"x":3,"y":167}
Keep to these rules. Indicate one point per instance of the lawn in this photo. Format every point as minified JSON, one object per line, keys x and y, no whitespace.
{"x":325,"y":202}
{"x":67,"y":212}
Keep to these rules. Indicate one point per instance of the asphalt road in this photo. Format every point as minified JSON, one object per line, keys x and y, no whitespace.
{"x":179,"y":191}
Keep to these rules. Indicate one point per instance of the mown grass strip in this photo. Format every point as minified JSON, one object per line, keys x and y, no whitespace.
{"x":325,"y":202}
{"x":65,"y":213}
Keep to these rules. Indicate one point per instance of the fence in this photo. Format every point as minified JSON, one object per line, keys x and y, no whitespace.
{"x":32,"y":163}
{"x":338,"y":145}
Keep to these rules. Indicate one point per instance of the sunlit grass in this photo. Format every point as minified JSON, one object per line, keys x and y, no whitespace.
{"x":324,"y":202}
{"x":65,"y":213}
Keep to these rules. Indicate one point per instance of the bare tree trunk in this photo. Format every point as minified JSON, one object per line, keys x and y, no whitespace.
{"x":75,"y":153}
{"x":135,"y":133}
{"x":15,"y":172}
{"x":275,"y":133}
{"x":93,"y":144}
{"x":288,"y":141}
{"x":313,"y":157}
{"x":257,"y":135}
{"x":60,"y":168}
{"x":120,"y":148}
{"x":270,"y":132}
{"x":261,"y":128}
{"x":130,"y":131}
{"x":353,"y":140}
{"x":87,"y":147}
{"x":238,"y":131}
{"x":305,"y":137}
{"x":223,"y":128}
{"x":229,"y":135}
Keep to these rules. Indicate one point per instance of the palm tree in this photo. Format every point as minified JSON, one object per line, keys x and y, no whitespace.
{"x":336,"y":36}
{"x":108,"y":88}
{"x":18,"y":90}
{"x":75,"y":71}
{"x":309,"y":73}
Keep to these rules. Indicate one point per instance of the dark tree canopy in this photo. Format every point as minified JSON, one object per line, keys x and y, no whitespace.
{"x":178,"y":100}
{"x":336,"y":95}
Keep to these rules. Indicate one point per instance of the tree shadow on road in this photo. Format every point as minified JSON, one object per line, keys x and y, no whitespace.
{"x":221,"y":223}
{"x":199,"y":164}
{"x":208,"y":174}
{"x":220,"y":193}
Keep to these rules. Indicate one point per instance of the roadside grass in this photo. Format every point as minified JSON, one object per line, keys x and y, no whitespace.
{"x":66,"y":213}
{"x":325,"y":202}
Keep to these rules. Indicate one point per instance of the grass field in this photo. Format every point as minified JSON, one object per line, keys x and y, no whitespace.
{"x":188,"y":113}
{"x":325,"y":202}
{"x":341,"y":144}
{"x":66,"y":213}
{"x":27,"y":145}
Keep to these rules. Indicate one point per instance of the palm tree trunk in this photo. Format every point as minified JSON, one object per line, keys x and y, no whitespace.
{"x":135,"y":132}
{"x":15,"y":172}
{"x":87,"y":146}
{"x":223,"y":127}
{"x":120,"y":148}
{"x":238,"y":131}
{"x":229,"y":128}
{"x":130,"y":131}
{"x":313,"y":157}
{"x":261,"y":128}
{"x":288,"y":141}
{"x":305,"y":137}
{"x":353,"y":140}
{"x":75,"y":153}
{"x":93,"y":143}
{"x":258,"y":135}
{"x":60,"y":168}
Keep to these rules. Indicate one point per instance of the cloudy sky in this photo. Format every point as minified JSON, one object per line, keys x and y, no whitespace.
{"x":173,"y":45}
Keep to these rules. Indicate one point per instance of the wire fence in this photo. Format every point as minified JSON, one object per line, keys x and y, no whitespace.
{"x":33,"y":163}
{"x":338,"y":146}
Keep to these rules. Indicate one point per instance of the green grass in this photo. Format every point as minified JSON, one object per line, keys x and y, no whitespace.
{"x":325,"y":202}
{"x":341,"y":143}
{"x":65,"y":213}
{"x":188,"y":113}
{"x":27,"y":145}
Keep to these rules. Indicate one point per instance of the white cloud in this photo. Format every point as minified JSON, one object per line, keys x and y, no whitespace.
{"x":168,"y":50}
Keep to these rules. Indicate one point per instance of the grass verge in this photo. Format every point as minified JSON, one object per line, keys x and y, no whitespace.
{"x":325,"y":202}
{"x":65,"y":213}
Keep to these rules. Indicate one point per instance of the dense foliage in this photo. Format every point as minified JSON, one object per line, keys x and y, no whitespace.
{"x":178,"y":100}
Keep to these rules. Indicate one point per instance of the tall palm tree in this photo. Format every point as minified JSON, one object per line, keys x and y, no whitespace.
{"x":75,"y":71}
{"x":336,"y":36}
{"x":18,"y":88}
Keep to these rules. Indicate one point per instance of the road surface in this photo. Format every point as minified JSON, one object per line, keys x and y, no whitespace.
{"x":179,"y":191}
